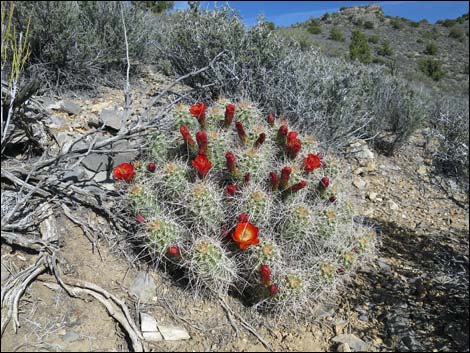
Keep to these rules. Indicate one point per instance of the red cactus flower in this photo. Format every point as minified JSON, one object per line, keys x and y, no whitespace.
{"x":124,"y":172}
{"x":198,"y":110}
{"x":139,"y":218}
{"x":174,"y":251}
{"x":202,"y":164}
{"x":246,"y":234}
{"x":270,"y":119}
{"x":243,"y":217}
{"x":186,"y":135}
{"x":273,"y":290}
{"x":151,"y":167}
{"x":201,"y":138}
{"x":274,"y":180}
{"x":324,"y":182}
{"x":246,"y":179}
{"x":311,"y":162}
{"x":332,"y":199}
{"x":265,"y":274}
{"x":231,"y":189}
{"x":231,"y":162}
{"x":241,"y":131}
{"x":260,"y":140}
{"x":285,"y":175}
{"x":229,"y":114}
{"x":293,"y":145}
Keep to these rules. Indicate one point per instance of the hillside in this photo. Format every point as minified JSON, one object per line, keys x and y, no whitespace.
{"x":408,"y":42}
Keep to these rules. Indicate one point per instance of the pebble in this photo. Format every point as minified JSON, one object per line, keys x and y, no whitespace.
{"x":143,"y":287}
{"x":352,"y":341}
{"x":343,"y":347}
{"x":359,"y":183}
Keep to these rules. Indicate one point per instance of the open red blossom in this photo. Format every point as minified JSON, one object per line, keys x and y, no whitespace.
{"x":174,"y":251}
{"x":243,"y":217}
{"x":260,"y":140}
{"x":231,"y":189}
{"x":293,"y":146}
{"x":201,"y":138}
{"x":273,"y":289}
{"x":311,"y":162}
{"x":324,"y":182}
{"x":186,"y":135}
{"x":270,"y":119}
{"x":229,"y":114}
{"x":231,"y":162}
{"x":198,"y":110}
{"x":124,"y":172}
{"x":265,"y":274}
{"x":241,"y":131}
{"x":246,"y":234}
{"x":274,"y":180}
{"x":202,"y":164}
{"x":285,"y":175}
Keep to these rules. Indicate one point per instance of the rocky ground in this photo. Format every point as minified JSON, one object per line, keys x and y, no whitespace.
{"x":412,"y":297}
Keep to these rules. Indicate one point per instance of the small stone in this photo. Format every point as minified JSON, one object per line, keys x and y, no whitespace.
{"x":352,"y":341}
{"x":71,"y":336}
{"x":173,"y":333}
{"x":152,"y":336}
{"x":392,"y":205}
{"x":70,"y":107}
{"x":359,"y":183}
{"x":94,"y":122}
{"x":343,"y":347}
{"x":372,"y":196}
{"x":422,"y":171}
{"x":143,"y":287}
{"x":148,"y":323}
{"x":339,"y":326}
{"x":55,"y":122}
{"x":111,"y":118}
{"x":97,"y":162}
{"x":364,"y":318}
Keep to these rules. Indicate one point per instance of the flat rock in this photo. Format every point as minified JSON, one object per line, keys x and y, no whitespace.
{"x":54,"y":122}
{"x":97,"y":162}
{"x":70,"y":107}
{"x":148,"y":323}
{"x":343,"y":347}
{"x":352,"y":341}
{"x":143,"y":287}
{"x":173,"y":333}
{"x":152,"y":336}
{"x":359,"y":183}
{"x":111,"y":118}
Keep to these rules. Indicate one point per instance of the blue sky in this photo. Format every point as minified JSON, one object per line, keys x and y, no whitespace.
{"x":285,"y":13}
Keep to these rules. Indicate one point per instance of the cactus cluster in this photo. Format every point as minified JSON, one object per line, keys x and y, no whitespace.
{"x":242,"y":201}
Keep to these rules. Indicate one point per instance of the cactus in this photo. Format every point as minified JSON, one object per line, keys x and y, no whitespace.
{"x":241,"y":200}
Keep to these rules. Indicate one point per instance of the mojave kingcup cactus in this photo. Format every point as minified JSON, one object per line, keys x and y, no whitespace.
{"x":241,"y":200}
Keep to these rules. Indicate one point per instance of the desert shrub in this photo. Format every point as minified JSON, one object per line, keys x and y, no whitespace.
{"x":373,"y":39}
{"x":431,"y":48}
{"x":368,"y":25}
{"x":432,"y":68}
{"x":75,"y":44}
{"x":284,"y":238}
{"x":456,"y":33}
{"x":396,"y":24}
{"x":385,"y":49}
{"x":336,"y":34}
{"x":359,"y":48}
{"x":447,"y":23}
{"x":313,"y":27}
{"x":449,"y":120}
{"x":414,"y":24}
{"x":431,"y":35}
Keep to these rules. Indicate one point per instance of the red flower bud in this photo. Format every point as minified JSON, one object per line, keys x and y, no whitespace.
{"x":274,"y":180}
{"x":285,"y":175}
{"x":231,"y":189}
{"x":201,"y":138}
{"x":282,"y":134}
{"x":293,"y":145}
{"x":151,"y":167}
{"x":332,"y":198}
{"x":324,"y":182}
{"x":174,"y":251}
{"x":243,"y":218}
{"x":270,"y":119}
{"x":241,"y":132}
{"x":186,"y":135}
{"x":265,"y":274}
{"x":340,"y":270}
{"x":291,"y":136}
{"x":229,"y":114}
{"x":260,"y":140}
{"x":298,"y":186}
{"x":246,"y":179}
{"x":139,"y":218}
{"x":231,"y":162}
{"x":273,"y":290}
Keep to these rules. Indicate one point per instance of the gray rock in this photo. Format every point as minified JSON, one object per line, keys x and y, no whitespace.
{"x":173,"y":333}
{"x":343,"y":347}
{"x":97,"y":162}
{"x":152,"y":336}
{"x":65,"y":139}
{"x":364,"y":318}
{"x":94,"y":122}
{"x":143,"y":287}
{"x":352,"y":341}
{"x":111,"y":118}
{"x":372,"y":196}
{"x":384,"y":266}
{"x":55,"y":122}
{"x":74,"y":175}
{"x":359,"y":183}
{"x":50,"y":104}
{"x":392,"y":205}
{"x":71,"y":336}
{"x":147,"y":323}
{"x":70,"y":107}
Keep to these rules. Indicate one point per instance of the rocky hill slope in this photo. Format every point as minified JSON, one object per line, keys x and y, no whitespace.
{"x":410,"y":42}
